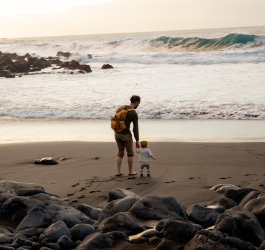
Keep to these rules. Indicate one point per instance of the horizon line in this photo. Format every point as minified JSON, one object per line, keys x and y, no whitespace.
{"x":133,"y":32}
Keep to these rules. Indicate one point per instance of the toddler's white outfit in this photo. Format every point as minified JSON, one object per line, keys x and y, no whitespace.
{"x":145,"y":156}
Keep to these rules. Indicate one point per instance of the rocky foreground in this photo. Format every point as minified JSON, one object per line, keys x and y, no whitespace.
{"x":31,"y":218}
{"x":12,"y":65}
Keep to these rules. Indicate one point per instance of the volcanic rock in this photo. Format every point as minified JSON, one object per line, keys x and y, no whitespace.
{"x":157,"y":207}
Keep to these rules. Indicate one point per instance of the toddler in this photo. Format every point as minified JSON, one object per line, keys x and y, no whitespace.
{"x":145,"y":156}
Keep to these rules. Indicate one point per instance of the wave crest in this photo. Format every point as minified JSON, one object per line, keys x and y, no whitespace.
{"x":204,"y":43}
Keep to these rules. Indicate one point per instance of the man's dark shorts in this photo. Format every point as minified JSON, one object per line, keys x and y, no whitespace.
{"x":124,"y":141}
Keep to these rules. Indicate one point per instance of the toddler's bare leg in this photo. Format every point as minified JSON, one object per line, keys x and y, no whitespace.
{"x":141,"y":170}
{"x":148,"y":170}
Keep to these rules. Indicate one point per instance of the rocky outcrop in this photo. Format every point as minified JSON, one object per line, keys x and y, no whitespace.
{"x":63,"y":54}
{"x":12,"y":65}
{"x":74,"y":65}
{"x":39,"y":220}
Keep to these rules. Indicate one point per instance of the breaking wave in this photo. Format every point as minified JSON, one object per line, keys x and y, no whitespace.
{"x":194,"y":43}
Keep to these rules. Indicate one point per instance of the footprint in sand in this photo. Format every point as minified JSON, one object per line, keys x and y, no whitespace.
{"x":224,"y":178}
{"x":76,"y":184}
{"x":131,"y":178}
{"x":191,"y":178}
{"x":128,"y":188}
{"x":82,"y":189}
{"x":169,"y":181}
{"x":81,"y":197}
{"x":70,"y":194}
{"x":95,"y":191}
{"x":142,"y":183}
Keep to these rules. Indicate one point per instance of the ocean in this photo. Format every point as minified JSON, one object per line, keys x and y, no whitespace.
{"x":199,"y":74}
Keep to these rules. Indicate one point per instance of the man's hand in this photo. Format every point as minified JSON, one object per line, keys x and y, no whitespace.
{"x":137,"y":144}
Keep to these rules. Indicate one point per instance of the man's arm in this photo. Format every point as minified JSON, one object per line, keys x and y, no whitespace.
{"x":135,"y":127}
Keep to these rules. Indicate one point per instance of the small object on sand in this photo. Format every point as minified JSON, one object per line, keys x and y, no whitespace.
{"x":95,"y":158}
{"x":45,"y":161}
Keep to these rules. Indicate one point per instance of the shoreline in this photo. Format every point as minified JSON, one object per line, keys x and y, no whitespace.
{"x":98,"y":130}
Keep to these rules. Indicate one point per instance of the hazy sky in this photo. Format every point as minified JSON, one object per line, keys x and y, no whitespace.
{"x":20,"y":18}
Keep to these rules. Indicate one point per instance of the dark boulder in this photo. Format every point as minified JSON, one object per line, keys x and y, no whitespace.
{"x":207,"y":215}
{"x":54,"y":60}
{"x":36,"y":218}
{"x":107,"y":66}
{"x":80,"y":231}
{"x":56,"y":230}
{"x":96,"y":241}
{"x":161,"y":224}
{"x":210,"y":239}
{"x":238,"y":194}
{"x":238,"y":222}
{"x":65,"y":242}
{"x":257,"y":207}
{"x":5,"y":60}
{"x":166,"y":244}
{"x":222,"y":203}
{"x":117,"y":206}
{"x":251,"y":195}
{"x":19,"y":67}
{"x":74,"y":65}
{"x":204,"y":216}
{"x":117,"y":235}
{"x":85,"y":67}
{"x":6,"y":74}
{"x":64,"y":54}
{"x":157,"y":207}
{"x":180,"y":231}
{"x":119,"y":193}
{"x":123,"y":222}
{"x":89,"y":211}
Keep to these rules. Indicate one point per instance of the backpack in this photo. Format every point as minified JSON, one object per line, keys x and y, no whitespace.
{"x":118,"y":120}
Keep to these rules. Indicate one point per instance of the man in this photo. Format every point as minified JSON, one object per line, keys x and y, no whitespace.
{"x":124,"y":139}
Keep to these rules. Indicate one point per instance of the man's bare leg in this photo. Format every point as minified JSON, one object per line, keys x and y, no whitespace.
{"x":118,"y":161}
{"x":130,"y":164}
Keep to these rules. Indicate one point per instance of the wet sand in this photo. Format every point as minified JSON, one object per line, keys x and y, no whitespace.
{"x":183,"y":170}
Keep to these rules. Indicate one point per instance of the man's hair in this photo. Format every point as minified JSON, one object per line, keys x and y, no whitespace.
{"x":135,"y":98}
